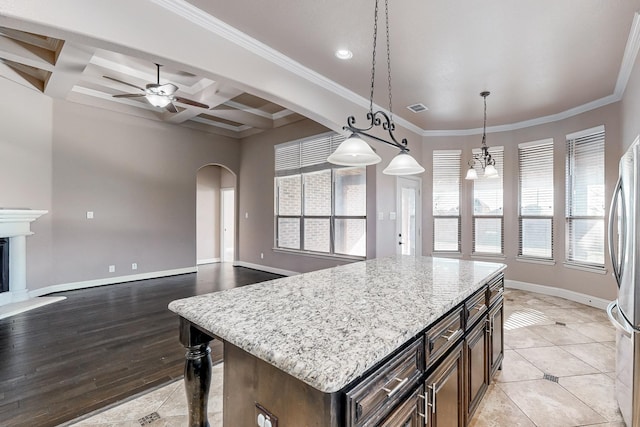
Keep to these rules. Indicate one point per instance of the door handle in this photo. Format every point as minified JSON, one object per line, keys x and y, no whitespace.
{"x":617,"y":268}
{"x":614,"y":319}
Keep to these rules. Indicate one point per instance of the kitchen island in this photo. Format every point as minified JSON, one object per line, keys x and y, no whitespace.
{"x":357,"y":344}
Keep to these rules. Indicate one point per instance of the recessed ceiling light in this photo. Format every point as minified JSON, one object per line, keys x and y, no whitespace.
{"x":344,"y":54}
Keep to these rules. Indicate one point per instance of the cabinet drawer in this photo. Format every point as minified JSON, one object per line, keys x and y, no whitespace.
{"x":369,"y":401}
{"x":408,"y":413}
{"x":475,"y":307}
{"x":442,"y":335}
{"x":496,"y":289}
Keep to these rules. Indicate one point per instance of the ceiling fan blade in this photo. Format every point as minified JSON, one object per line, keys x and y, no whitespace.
{"x":129,"y":95}
{"x":124,"y":83}
{"x":171,"y":108}
{"x":191,"y":102}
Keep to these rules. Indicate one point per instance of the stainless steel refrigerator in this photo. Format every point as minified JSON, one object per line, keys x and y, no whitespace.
{"x":624,"y":313}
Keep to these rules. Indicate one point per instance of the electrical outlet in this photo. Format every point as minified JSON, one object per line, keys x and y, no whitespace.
{"x":89,"y":214}
{"x":264,"y":418}
{"x":134,"y":266}
{"x":261,"y":255}
{"x":112,"y":269}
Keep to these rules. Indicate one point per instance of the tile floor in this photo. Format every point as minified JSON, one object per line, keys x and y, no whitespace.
{"x":544,"y":336}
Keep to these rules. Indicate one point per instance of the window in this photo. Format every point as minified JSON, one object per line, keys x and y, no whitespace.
{"x":488,"y":224}
{"x":585,"y":202}
{"x":536,"y":199}
{"x":446,"y":200}
{"x":319,"y":208}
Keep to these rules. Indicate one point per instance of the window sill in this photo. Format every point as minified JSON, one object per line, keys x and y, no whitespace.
{"x":588,"y":268}
{"x":318,"y":255}
{"x":444,"y":254}
{"x":536,"y":260}
{"x":490,"y":256}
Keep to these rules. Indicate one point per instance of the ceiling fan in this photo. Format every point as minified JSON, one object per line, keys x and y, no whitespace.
{"x":158,"y":95}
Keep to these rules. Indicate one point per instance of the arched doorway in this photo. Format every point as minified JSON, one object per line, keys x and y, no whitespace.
{"x":215,"y":214}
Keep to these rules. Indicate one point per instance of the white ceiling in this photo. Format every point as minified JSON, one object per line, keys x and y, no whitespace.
{"x":539,"y":58}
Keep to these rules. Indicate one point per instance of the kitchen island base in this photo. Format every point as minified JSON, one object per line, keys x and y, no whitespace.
{"x":249,"y":381}
{"x":415,"y":344}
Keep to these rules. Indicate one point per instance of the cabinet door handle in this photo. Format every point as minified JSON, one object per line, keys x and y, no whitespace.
{"x":396,"y":388}
{"x":433,"y":397}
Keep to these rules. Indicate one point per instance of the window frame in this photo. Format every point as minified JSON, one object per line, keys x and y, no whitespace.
{"x":547,"y":144}
{"x":570,"y":218}
{"x":497,"y":152}
{"x":304,"y":170}
{"x":435,"y":217}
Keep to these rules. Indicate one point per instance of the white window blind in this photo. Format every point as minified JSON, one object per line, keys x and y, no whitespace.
{"x":446,"y":200}
{"x":306,"y":155}
{"x":585,"y":201}
{"x":536,"y":199}
{"x":488,"y":224}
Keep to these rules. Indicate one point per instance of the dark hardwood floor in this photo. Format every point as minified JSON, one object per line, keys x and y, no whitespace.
{"x":100,"y":345}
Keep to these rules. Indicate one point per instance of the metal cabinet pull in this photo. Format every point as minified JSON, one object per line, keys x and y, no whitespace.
{"x":433,"y":397}
{"x":396,"y":388}
{"x":479,"y":307}
{"x":452,"y":334}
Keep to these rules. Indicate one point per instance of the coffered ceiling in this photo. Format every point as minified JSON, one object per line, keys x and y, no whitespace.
{"x":93,"y":76}
{"x":541,"y":60}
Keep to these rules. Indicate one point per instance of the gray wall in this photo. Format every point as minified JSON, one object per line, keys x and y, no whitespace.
{"x":25,"y":172}
{"x":139,"y":178}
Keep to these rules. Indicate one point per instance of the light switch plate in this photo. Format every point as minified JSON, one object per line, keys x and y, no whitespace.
{"x":392,"y":215}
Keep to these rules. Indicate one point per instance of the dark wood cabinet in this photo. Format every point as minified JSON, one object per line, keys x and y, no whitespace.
{"x":409,"y":413}
{"x":496,"y":337}
{"x":457,"y":354}
{"x":444,"y":392}
{"x":476,"y":365}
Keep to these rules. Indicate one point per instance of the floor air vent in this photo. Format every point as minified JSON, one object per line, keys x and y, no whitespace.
{"x":551,"y":378}
{"x":148,"y":419}
{"x":561,"y":324}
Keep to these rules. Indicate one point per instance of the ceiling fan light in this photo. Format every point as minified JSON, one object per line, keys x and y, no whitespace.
{"x":471,"y":174}
{"x":157,"y":100}
{"x":490,"y":172}
{"x":354,"y":151}
{"x":403,"y":164}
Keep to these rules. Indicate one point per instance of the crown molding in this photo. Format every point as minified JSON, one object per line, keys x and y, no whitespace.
{"x":222,"y":29}
{"x":195,"y":15}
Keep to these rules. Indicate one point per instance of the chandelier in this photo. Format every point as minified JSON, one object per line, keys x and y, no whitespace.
{"x":483,"y":159}
{"x":354,"y":151}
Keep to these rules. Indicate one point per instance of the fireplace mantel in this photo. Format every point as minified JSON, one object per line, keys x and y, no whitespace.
{"x":16,"y":225}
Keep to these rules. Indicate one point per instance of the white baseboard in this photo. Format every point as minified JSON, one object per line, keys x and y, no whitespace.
{"x":208,"y":261}
{"x":30,"y":304}
{"x":109,"y":281}
{"x":265,"y":268}
{"x":558,"y":292}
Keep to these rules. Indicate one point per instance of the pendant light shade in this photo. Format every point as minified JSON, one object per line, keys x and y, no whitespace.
{"x":490,"y":172}
{"x":471,"y":174}
{"x":354,"y":151}
{"x":403,"y":164}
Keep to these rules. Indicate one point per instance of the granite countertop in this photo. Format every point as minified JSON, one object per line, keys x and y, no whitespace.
{"x":327,"y":327}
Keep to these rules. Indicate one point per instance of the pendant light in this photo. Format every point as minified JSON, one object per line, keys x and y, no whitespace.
{"x":483,"y":159}
{"x":354,"y":151}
